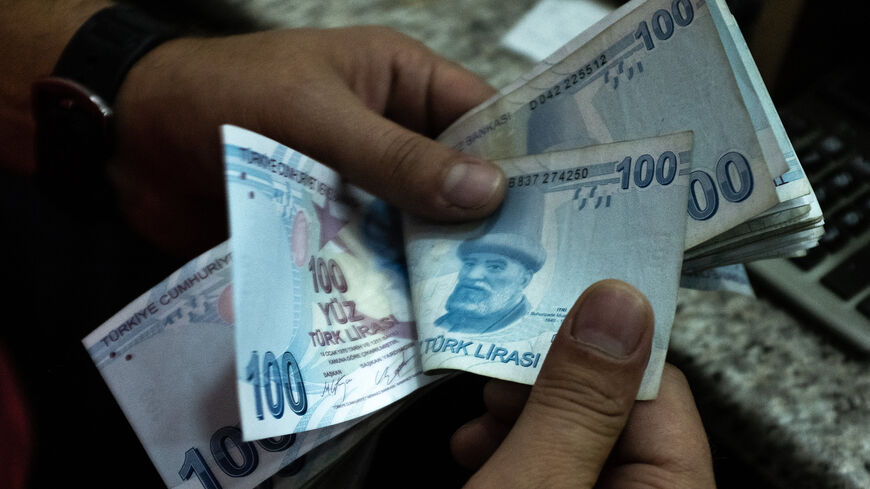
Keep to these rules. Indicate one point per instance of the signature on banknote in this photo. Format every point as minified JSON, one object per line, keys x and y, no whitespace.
{"x":333,"y":387}
{"x":389,"y":374}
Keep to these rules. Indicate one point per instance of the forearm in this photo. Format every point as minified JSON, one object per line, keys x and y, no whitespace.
{"x":32,"y":35}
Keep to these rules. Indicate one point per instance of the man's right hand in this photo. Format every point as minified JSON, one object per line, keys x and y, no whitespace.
{"x":579,"y":425}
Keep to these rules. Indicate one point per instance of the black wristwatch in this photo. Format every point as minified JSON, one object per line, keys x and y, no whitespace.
{"x":73,"y":106}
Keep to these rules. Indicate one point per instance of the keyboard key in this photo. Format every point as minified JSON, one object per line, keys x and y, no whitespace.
{"x":812,"y":161}
{"x":836,"y":187}
{"x":831,"y":146}
{"x":864,"y":306}
{"x":861,"y":166}
{"x":850,"y":276}
{"x":833,"y":240}
{"x":842,"y":181}
{"x":852,"y":221}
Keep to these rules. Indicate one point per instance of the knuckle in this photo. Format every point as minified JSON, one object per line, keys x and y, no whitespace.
{"x":401,"y":156}
{"x":414,"y":59}
{"x":581,"y":400}
{"x":400,"y":49}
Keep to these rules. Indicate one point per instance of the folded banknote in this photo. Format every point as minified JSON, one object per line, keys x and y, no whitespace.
{"x":325,"y":331}
{"x":168,"y":359}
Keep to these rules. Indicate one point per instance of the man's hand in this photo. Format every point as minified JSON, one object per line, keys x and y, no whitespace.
{"x":579,"y":426}
{"x":361,"y":100}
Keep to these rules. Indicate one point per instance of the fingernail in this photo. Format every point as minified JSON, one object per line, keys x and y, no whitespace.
{"x":612,"y":318}
{"x":471,"y":183}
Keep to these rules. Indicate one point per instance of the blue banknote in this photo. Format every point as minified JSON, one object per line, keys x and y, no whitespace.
{"x":489,"y":296}
{"x":168,"y":360}
{"x":652,"y":67}
{"x":325,"y":331}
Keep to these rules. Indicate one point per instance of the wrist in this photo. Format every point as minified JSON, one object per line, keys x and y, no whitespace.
{"x":177,"y":96}
{"x":167,"y":99}
{"x":167,"y":169}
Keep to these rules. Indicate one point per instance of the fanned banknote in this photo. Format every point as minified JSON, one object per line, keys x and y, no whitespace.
{"x":167,"y":358}
{"x":489,"y":296}
{"x":318,"y":262}
{"x":325,"y":331}
{"x":652,"y":67}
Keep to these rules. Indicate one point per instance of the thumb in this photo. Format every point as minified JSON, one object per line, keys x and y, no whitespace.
{"x":582,"y":397}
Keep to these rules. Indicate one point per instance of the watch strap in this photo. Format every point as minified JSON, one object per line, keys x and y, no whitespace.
{"x":107,"y":45}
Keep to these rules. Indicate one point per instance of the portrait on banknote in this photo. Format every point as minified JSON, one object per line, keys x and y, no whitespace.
{"x":496,"y":268}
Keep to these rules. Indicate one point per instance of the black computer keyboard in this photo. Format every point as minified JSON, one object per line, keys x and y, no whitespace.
{"x":830,"y":130}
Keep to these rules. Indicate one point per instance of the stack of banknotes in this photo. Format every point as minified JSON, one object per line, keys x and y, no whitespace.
{"x":328,"y":309}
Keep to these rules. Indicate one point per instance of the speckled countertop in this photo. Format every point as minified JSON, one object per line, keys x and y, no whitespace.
{"x":792,"y":404}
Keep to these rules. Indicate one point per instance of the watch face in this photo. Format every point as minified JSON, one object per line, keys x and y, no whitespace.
{"x":72,"y":132}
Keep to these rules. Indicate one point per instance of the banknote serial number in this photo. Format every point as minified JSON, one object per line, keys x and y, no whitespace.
{"x":548,"y":178}
{"x":569,"y":81}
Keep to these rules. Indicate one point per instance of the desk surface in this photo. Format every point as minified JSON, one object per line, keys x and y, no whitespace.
{"x":782,"y":396}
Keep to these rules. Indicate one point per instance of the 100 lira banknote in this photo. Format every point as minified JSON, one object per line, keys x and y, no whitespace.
{"x":653,"y":67}
{"x":325,"y":329}
{"x":168,"y":360}
{"x":489,"y":296}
